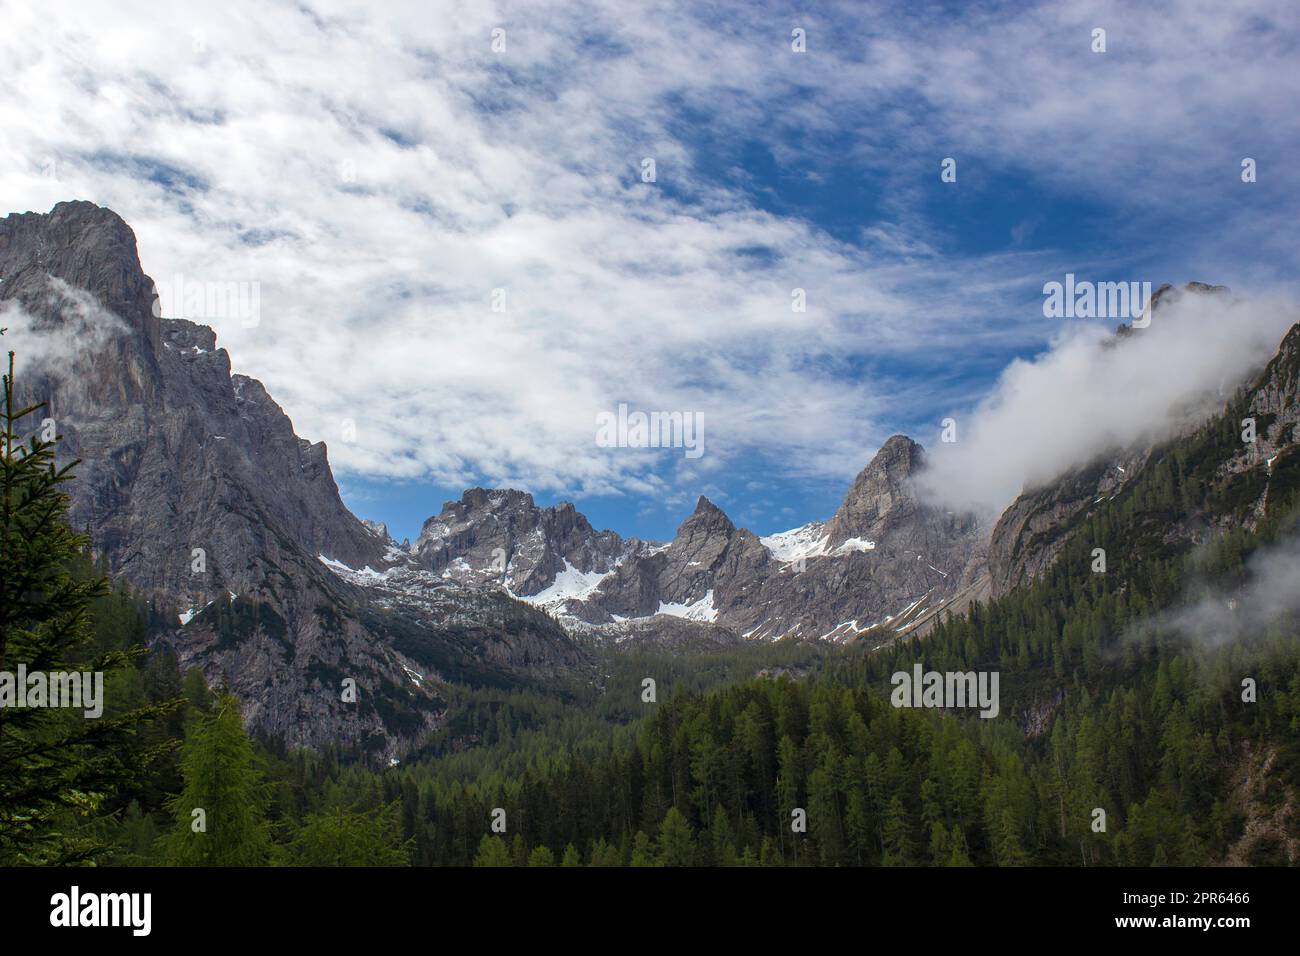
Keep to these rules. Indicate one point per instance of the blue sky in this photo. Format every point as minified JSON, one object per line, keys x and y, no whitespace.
{"x":380,"y":171}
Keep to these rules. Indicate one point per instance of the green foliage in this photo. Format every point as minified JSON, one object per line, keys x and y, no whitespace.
{"x":676,"y":841}
{"x":492,"y":851}
{"x":343,"y":837}
{"x":220,"y":814}
{"x":61,"y":769}
{"x":541,"y":856}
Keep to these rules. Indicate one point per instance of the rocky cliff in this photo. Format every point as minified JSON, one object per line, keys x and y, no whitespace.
{"x":884,"y":558}
{"x":501,"y":537}
{"x":195,"y":488}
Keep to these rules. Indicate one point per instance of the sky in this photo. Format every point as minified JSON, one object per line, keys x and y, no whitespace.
{"x":460,"y":264}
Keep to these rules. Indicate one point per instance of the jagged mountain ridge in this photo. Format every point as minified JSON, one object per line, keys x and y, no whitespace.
{"x":501,"y":536}
{"x":883,"y":556}
{"x":152,"y":444}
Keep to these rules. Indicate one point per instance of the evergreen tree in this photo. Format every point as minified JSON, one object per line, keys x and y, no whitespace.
{"x":220,"y":813}
{"x":897,"y":838}
{"x":643,"y":851}
{"x":541,"y":856}
{"x":957,"y":853}
{"x":342,"y":837}
{"x":492,"y":851}
{"x":59,"y":767}
{"x":676,"y":841}
{"x":722,"y":841}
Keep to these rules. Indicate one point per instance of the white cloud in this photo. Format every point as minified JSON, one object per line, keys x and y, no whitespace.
{"x":1087,"y":396}
{"x":60,"y":349}
{"x":380,"y":171}
{"x":1271,"y":589}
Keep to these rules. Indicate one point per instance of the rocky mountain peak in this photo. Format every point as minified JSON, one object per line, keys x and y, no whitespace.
{"x":497,"y":499}
{"x":708,"y":523}
{"x":500,"y":535}
{"x":1166,"y":295}
{"x":896,"y":461}
{"x":709,"y":516}
{"x":879,"y":491}
{"x":86,"y":246}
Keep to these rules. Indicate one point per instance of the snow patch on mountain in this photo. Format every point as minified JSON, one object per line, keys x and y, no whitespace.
{"x":701,"y":610}
{"x":569,"y":584}
{"x":810,"y":541}
{"x":366,"y":575}
{"x":855,"y":544}
{"x":806,"y":541}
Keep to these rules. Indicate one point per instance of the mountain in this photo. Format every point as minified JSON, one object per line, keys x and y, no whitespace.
{"x":1036,"y":526}
{"x":180,"y":454}
{"x":194,"y":487}
{"x":883,"y":560}
{"x":883,"y":556}
{"x":502,"y":537}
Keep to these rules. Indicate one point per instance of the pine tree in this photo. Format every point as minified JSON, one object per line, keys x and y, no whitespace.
{"x":958,"y":855}
{"x":940,"y":844}
{"x":343,"y":837}
{"x":897,"y":839}
{"x":1007,"y":847}
{"x":221,"y":811}
{"x":492,"y":851}
{"x":59,"y":767}
{"x":721,"y":838}
{"x":643,"y":851}
{"x":541,"y":856}
{"x":571,"y":857}
{"x":676,"y":842}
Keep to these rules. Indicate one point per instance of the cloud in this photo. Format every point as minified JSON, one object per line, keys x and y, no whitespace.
{"x":1271,"y":589}
{"x":1089,"y":395}
{"x":61,"y":348}
{"x":380,"y":171}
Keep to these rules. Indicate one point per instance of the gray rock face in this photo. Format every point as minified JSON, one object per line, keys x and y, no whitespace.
{"x":178,"y":453}
{"x":1275,"y":404}
{"x":884,"y":556}
{"x":1032,"y":531}
{"x":881,"y":499}
{"x":86,"y":247}
{"x":882,"y":551}
{"x":887,"y":558}
{"x":502,"y":537}
{"x":195,"y":488}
